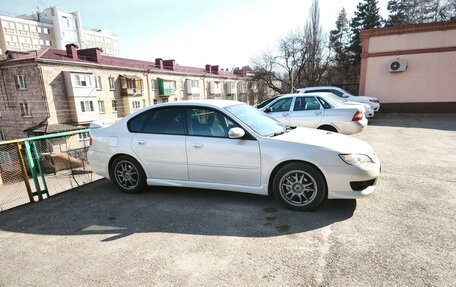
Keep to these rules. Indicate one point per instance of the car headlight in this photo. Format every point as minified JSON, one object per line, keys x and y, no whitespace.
{"x":358,"y":160}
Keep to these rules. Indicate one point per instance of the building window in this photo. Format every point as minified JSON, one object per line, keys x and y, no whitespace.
{"x":2,"y":136}
{"x":82,"y":80}
{"x":114,"y":105}
{"x":46,"y":31}
{"x":111,"y":83}
{"x":84,"y":137}
{"x":25,"y":110}
{"x":86,"y":106}
{"x":101,"y":107}
{"x":136,"y":105}
{"x":195,"y":84}
{"x":21,"y":84}
{"x":98,"y":82}
{"x":166,"y":87}
{"x":152,"y":85}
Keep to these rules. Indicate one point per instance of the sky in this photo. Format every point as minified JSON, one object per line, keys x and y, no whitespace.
{"x":194,"y":33}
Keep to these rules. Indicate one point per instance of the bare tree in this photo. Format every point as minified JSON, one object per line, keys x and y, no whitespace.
{"x":301,"y":58}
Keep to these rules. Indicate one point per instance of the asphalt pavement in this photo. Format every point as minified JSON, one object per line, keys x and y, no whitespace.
{"x":402,"y":235}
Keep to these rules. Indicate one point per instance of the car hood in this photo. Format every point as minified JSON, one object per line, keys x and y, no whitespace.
{"x":362,"y":98}
{"x":329,"y":140}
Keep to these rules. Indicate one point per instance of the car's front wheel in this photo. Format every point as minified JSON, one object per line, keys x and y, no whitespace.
{"x":127,"y":174}
{"x":299,"y":186}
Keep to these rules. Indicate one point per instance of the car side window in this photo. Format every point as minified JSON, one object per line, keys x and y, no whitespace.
{"x":136,"y":124}
{"x":282,"y":105}
{"x":306,"y":104}
{"x":165,"y":121}
{"x":208,"y":123}
{"x":324,"y":103}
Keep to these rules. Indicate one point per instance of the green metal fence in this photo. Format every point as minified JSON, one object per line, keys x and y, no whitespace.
{"x":34,"y":168}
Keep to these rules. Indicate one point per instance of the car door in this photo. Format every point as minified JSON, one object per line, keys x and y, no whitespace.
{"x":215,"y":158}
{"x":159,"y":142}
{"x":307,"y":112}
{"x":280,"y":110}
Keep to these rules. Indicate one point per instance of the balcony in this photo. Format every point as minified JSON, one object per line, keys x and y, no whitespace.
{"x":131,"y":86}
{"x":131,"y":92}
{"x":166,"y":88}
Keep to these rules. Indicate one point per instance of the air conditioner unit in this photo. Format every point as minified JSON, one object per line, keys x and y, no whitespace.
{"x":398,"y":65}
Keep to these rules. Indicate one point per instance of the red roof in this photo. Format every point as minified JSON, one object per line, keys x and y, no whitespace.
{"x":61,"y":55}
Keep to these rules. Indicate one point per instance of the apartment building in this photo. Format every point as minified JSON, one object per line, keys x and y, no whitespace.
{"x":52,"y":28}
{"x":59,"y":90}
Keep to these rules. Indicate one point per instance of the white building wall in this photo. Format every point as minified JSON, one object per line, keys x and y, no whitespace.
{"x":53,"y":28}
{"x":25,"y":35}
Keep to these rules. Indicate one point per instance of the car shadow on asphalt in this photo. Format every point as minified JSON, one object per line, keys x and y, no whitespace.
{"x":443,"y":122}
{"x":99,"y":208}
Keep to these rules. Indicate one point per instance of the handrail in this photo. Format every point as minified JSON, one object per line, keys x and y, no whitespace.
{"x":56,"y":135}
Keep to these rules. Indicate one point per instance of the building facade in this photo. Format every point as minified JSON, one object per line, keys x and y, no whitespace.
{"x":52,"y":28}
{"x":410,"y":68}
{"x":58,"y":90}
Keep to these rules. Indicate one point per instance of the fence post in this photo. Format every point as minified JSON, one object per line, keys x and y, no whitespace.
{"x":33,"y":171}
{"x":24,"y":172}
{"x":38,"y":163}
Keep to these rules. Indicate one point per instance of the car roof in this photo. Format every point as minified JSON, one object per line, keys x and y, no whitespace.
{"x":318,"y":88}
{"x":206,"y":103}
{"x":307,"y":94}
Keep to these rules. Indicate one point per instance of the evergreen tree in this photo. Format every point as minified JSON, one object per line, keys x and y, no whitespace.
{"x":420,"y":11}
{"x":398,"y":13}
{"x":366,"y":17}
{"x":339,"y":40}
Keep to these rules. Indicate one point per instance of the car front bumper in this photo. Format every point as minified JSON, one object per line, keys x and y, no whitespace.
{"x":341,"y":179}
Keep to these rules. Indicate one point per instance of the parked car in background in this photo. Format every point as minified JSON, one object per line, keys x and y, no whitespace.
{"x":264,"y":103}
{"x":344,"y":95}
{"x":369,"y":113}
{"x":228,"y":145}
{"x":317,"y":110}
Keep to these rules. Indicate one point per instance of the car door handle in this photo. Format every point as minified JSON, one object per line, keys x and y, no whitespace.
{"x":318,"y":113}
{"x":285,"y":114}
{"x":197,"y":145}
{"x":141,"y":142}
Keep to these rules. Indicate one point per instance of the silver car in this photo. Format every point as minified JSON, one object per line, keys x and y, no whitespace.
{"x":228,"y":145}
{"x":318,"y":110}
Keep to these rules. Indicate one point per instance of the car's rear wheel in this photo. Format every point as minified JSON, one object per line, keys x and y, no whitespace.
{"x":299,"y":186}
{"x":327,"y":128}
{"x":127,"y":174}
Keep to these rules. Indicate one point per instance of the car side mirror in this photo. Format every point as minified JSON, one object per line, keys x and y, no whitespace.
{"x":267,"y":110}
{"x":236,"y":133}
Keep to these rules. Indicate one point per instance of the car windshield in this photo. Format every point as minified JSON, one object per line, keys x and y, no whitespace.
{"x":346,"y":94}
{"x":258,"y":121}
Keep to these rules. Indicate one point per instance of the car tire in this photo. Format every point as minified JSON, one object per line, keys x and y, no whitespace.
{"x":128,"y":174}
{"x":299,"y":186}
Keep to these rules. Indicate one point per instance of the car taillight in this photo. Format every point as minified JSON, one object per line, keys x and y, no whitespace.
{"x":357,"y":116}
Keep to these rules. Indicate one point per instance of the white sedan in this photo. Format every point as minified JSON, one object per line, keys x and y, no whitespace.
{"x":343,"y":95}
{"x":228,"y":145}
{"x":318,"y":110}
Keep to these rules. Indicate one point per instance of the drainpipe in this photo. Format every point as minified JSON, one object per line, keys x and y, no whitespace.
{"x":204,"y":87}
{"x":146,"y":73}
